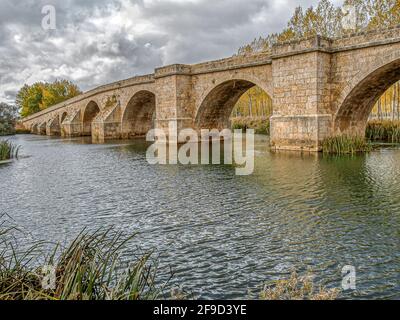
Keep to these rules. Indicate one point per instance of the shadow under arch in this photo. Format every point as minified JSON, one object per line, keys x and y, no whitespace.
{"x":63,"y":116}
{"x":353,"y":112}
{"x":216,"y":108}
{"x":138,"y":115}
{"x":35,"y":128}
{"x":91,"y":111}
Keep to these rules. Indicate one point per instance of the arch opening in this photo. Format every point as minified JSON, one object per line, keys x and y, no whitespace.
{"x":35,"y":129}
{"x":139,"y":114}
{"x":353,"y":114}
{"x":63,"y":117}
{"x":42,"y":128}
{"x":91,"y":111}
{"x":54,"y":127}
{"x":234,"y":102}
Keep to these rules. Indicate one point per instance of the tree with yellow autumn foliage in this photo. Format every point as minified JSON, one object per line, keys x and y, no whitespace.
{"x":41,"y":95}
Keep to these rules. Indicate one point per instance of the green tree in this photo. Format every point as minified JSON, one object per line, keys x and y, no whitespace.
{"x":8,"y":118}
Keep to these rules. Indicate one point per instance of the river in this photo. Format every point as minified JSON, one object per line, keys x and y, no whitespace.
{"x":222,"y":235}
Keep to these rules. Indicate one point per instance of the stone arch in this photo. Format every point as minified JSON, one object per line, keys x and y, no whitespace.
{"x":361,"y":94}
{"x":216,"y":105}
{"x":138,"y":115}
{"x":89,"y":114}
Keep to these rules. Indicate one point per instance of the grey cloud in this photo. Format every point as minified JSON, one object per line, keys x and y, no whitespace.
{"x":100,"y":41}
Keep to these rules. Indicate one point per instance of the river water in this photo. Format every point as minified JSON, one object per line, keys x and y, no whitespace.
{"x":222,"y":235}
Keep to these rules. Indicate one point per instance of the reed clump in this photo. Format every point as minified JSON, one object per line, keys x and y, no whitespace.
{"x":383,"y":130}
{"x":261,"y":125}
{"x":88,"y":269}
{"x":297,"y":288}
{"x":345,"y":144}
{"x":8,"y":150}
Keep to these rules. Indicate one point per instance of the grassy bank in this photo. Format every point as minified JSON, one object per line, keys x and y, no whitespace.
{"x":345,"y":144}
{"x":87,"y":269}
{"x":261,"y":125}
{"x":383,"y":130}
{"x":8,"y":150}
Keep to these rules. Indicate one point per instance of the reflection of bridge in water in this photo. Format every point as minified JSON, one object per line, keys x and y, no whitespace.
{"x":319,"y":87}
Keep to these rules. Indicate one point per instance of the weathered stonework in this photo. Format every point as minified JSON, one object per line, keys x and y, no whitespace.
{"x":320,"y":87}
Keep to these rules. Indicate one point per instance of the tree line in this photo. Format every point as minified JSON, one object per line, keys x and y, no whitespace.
{"x":34,"y":98}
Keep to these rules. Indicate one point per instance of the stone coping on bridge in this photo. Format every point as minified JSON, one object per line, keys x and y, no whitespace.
{"x":220,"y":65}
{"x":351,"y":41}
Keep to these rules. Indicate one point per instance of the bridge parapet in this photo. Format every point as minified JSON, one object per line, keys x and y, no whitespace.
{"x":299,"y":46}
{"x":235,"y":62}
{"x":331,"y":45}
{"x":366,"y":38}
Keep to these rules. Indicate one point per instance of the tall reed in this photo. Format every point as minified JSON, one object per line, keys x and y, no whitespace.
{"x":8,"y":150}
{"x":383,"y":130}
{"x":90,"y":268}
{"x":345,"y":144}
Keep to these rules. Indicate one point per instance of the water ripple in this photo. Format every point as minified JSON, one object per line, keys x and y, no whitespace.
{"x":221,"y":234}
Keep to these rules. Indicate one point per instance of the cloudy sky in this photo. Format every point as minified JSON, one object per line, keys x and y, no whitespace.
{"x":100,"y":41}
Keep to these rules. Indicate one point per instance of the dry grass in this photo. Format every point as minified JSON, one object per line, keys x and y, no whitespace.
{"x":297,"y":288}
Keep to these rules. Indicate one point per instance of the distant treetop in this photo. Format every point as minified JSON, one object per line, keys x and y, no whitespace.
{"x":42,"y":95}
{"x":329,"y":21}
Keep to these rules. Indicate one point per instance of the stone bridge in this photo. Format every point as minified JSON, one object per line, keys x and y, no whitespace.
{"x":320,"y":87}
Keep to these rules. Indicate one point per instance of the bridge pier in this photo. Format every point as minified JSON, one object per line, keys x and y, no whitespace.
{"x":174,"y":87}
{"x":302,"y":117}
{"x":299,"y":133}
{"x":107,"y":124}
